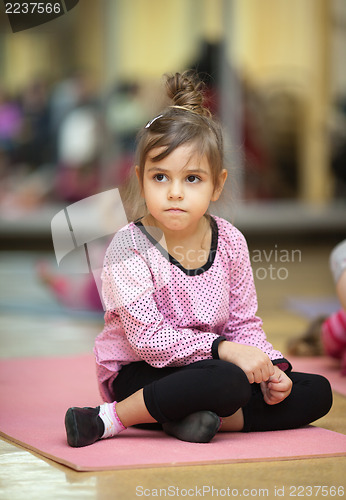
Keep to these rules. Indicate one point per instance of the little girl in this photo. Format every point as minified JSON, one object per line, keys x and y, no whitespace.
{"x":182,"y":346}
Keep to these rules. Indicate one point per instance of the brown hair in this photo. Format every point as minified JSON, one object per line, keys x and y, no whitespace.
{"x":187,"y":120}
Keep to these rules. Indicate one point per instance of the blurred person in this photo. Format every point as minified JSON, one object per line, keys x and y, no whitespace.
{"x":27,"y":177}
{"x":66,"y":94}
{"x":281,"y":121}
{"x":337,"y":126}
{"x":10,"y":126}
{"x":258,"y":177}
{"x":207,"y":66}
{"x":124,"y":113}
{"x":258,"y":167}
{"x":10,"y":123}
{"x":79,"y":146}
{"x":35,"y":137}
{"x":327,"y":335}
{"x":75,"y":293}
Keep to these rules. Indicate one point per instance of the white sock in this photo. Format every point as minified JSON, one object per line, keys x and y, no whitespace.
{"x":112,"y":422}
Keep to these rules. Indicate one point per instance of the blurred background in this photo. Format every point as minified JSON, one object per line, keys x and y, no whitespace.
{"x":74,"y":92}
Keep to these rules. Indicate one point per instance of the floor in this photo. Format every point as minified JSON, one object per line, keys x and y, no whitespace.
{"x":32,"y":324}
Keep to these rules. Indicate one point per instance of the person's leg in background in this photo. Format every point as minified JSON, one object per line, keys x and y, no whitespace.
{"x":334,"y":328}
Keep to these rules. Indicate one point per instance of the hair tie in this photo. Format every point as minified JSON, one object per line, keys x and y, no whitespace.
{"x":184,"y":107}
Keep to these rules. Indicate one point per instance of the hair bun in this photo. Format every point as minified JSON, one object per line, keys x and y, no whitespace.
{"x":187,"y":91}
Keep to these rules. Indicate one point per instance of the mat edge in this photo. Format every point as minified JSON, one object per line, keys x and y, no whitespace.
{"x":77,"y":468}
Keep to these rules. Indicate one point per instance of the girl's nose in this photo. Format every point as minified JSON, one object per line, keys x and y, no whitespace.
{"x":175,"y":191}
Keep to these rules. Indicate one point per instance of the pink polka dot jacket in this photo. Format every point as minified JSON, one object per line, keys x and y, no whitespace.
{"x":166,"y":315}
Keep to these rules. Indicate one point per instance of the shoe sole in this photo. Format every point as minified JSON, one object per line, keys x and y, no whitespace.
{"x":213,"y":429}
{"x":71,"y":429}
{"x":190,"y":433}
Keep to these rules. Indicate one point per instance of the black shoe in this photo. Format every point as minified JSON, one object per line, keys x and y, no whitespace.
{"x":199,"y":427}
{"x":83,"y":426}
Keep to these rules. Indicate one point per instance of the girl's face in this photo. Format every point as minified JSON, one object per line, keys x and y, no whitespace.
{"x":179,"y":188}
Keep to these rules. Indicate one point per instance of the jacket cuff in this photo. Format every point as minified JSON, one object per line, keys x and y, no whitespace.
{"x":215,"y":347}
{"x":283,"y":364}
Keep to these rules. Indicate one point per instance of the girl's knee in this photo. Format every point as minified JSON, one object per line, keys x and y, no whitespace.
{"x":324,"y":394}
{"x":234,"y":382}
{"x":319,"y":395}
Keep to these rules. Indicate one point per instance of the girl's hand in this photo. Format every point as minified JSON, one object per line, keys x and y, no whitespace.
{"x":277,"y":387}
{"x":254,"y":362}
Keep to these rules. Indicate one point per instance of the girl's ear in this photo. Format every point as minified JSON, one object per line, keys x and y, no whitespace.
{"x":219,"y":188}
{"x":137,"y":171}
{"x":138,"y":178}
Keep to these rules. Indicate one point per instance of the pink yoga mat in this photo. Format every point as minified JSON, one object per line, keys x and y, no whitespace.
{"x":35,"y":394}
{"x":328,"y":367}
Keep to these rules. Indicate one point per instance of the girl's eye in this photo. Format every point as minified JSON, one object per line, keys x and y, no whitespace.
{"x":159,"y":177}
{"x":193,"y":179}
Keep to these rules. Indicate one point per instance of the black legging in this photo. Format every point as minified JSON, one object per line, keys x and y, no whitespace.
{"x":222,"y":387}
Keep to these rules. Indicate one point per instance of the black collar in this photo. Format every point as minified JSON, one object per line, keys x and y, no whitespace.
{"x":172,"y":260}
